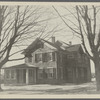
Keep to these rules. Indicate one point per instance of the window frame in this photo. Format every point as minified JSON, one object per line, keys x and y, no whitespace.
{"x":8,"y":74}
{"x":71,"y":56}
{"x":38,"y":57}
{"x":12,"y":70}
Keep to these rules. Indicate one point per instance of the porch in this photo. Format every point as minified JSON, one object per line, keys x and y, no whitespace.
{"x":22,"y":75}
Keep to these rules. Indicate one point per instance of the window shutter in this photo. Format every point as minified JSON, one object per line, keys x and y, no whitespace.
{"x":53,"y":56}
{"x":35,"y":57}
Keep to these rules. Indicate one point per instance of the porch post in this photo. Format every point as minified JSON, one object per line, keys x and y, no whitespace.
{"x":27,"y":77}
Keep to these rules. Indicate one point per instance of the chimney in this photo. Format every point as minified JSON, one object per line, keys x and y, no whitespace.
{"x":70,"y":43}
{"x":53,"y":39}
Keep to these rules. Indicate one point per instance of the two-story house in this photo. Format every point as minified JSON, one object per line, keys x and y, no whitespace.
{"x":52,"y":63}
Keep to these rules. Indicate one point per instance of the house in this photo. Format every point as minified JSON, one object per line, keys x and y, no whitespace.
{"x":50,"y":63}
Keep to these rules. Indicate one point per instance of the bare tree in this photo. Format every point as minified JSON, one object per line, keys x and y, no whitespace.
{"x":19,"y":23}
{"x":86,"y":27}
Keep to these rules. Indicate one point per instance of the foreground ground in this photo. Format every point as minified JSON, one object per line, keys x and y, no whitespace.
{"x":85,"y":88}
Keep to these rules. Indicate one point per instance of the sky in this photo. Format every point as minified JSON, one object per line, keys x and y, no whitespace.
{"x":62,"y":32}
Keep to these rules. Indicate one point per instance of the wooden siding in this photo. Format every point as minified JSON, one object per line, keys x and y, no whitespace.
{"x":42,"y":64}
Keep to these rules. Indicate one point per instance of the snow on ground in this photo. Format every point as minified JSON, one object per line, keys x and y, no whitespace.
{"x":85,"y":88}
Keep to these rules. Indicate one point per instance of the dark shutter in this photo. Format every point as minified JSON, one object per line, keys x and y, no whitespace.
{"x":35,"y":57}
{"x":44,"y":57}
{"x":53,"y":56}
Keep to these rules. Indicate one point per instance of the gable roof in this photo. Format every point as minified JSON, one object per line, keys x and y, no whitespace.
{"x":32,"y":45}
{"x":59,"y":45}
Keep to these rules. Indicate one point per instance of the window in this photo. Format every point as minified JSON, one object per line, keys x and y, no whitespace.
{"x":7,"y":74}
{"x":50,"y":73}
{"x":49,"y":56}
{"x":46,"y":73}
{"x":70,"y":56}
{"x":44,"y":57}
{"x":12,"y":74}
{"x":38,"y":57}
{"x":40,"y":73}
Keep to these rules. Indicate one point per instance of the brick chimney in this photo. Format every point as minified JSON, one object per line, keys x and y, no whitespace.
{"x":53,"y":39}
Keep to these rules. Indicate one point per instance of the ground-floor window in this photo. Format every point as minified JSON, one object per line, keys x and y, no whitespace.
{"x":50,"y":73}
{"x":40,"y":73}
{"x":12,"y":74}
{"x":7,"y":74}
{"x":46,"y":73}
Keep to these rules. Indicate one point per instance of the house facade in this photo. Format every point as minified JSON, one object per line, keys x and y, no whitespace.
{"x":50,"y":63}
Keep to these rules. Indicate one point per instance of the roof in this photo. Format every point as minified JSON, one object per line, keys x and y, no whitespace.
{"x":60,"y":45}
{"x":52,"y":44}
{"x":20,"y":66}
{"x":73,"y":48}
{"x":32,"y":45}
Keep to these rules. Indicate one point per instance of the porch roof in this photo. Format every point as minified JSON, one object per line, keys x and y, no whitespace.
{"x":20,"y":66}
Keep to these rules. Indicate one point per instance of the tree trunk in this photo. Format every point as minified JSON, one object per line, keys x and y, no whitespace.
{"x":97,"y":73}
{"x":0,"y":80}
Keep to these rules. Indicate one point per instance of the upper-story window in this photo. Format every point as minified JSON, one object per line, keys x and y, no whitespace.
{"x":45,"y":57}
{"x":50,"y":56}
{"x":38,"y":57}
{"x":70,"y":56}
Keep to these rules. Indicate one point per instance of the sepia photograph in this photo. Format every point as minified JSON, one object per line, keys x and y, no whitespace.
{"x":49,"y":49}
